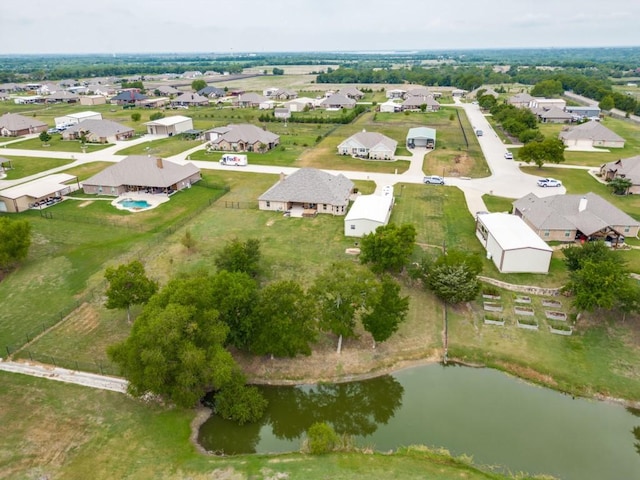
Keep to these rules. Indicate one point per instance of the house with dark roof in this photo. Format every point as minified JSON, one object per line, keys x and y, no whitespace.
{"x":15,"y":125}
{"x":309,"y":191}
{"x":242,"y":137}
{"x":369,"y":145}
{"x":98,"y":131}
{"x":141,"y":173}
{"x":127,"y":97}
{"x":591,"y":134}
{"x":628,"y":168}
{"x":211,"y":92}
{"x":565,"y":218}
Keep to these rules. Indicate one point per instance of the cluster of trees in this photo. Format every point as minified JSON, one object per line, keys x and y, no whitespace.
{"x":599,"y":279}
{"x":347,"y":116}
{"x":15,"y":240}
{"x":178,"y":345}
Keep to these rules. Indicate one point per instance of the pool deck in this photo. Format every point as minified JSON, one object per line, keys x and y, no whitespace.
{"x":151,"y":199}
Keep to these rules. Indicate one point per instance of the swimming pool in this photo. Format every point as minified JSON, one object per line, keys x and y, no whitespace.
{"x":134,"y":204}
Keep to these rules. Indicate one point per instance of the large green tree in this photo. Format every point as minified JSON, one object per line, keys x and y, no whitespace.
{"x":387,"y":310}
{"x":453,"y":276}
{"x":15,"y":239}
{"x":620,"y":185}
{"x":548,"y":88}
{"x":128,"y":285}
{"x":238,"y":256}
{"x":388,"y":248}
{"x":342,"y":293}
{"x":549,"y":150}
{"x":284,"y":321}
{"x":198,"y":84}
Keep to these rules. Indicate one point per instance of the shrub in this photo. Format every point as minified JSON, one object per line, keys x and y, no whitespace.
{"x":321,"y":438}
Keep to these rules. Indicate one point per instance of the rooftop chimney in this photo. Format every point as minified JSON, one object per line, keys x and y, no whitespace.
{"x":159,"y":162}
{"x":582,"y":206}
{"x":282,"y":176}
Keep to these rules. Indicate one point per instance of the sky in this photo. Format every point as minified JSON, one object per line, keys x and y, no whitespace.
{"x":237,"y":26}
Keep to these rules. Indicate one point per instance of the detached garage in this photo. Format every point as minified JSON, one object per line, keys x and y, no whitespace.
{"x":170,"y":125}
{"x":367,"y":213}
{"x":512,"y":245}
{"x":421,"y":137}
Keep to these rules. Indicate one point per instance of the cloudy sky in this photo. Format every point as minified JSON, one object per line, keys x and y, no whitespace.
{"x":232,"y":26}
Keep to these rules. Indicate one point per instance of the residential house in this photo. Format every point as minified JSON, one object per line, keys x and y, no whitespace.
{"x":485,"y":91}
{"x":554,"y":115}
{"x":98,"y":131}
{"x":38,"y":193}
{"x":211,"y":92}
{"x":367,"y":213}
{"x":628,"y":168}
{"x":284,"y":94}
{"x":512,"y":245}
{"x":167,"y":91}
{"x":15,"y":125}
{"x":390,"y":107}
{"x":521,"y":100}
{"x":416,"y":102}
{"x":565,"y":218}
{"x":248,"y":100}
{"x":190,"y":100}
{"x":369,"y":145}
{"x":421,"y":137}
{"x":395,"y":93}
{"x":458,"y":92}
{"x":89,"y":100}
{"x":192,"y":74}
{"x":241,"y":138}
{"x":351,"y":92}
{"x":154,"y":102}
{"x":418,"y":92}
{"x":337,"y":101}
{"x":127,"y":97}
{"x":142,"y":173}
{"x":63,"y":97}
{"x":308,"y":191}
{"x":300,"y":104}
{"x":169,"y":125}
{"x":591,"y":134}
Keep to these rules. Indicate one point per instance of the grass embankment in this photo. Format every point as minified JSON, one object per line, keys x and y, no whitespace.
{"x":74,"y":432}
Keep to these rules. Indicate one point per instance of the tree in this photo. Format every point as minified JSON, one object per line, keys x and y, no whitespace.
{"x":607,"y":103}
{"x":547,"y":88}
{"x":453,"y":276}
{"x":620,"y":185}
{"x":156,"y":116}
{"x":342,"y":293}
{"x":284,"y":323}
{"x":541,"y":152}
{"x":278,"y":71}
{"x":15,"y":240}
{"x":597,"y":284}
{"x":188,"y":241}
{"x":487,"y":102}
{"x":389,"y":309}
{"x":321,"y":438}
{"x":576,"y":256}
{"x":198,"y":84}
{"x":388,"y":248}
{"x":237,"y":256}
{"x":136,"y":116}
{"x":44,"y":137}
{"x":238,"y":402}
{"x":128,"y":285}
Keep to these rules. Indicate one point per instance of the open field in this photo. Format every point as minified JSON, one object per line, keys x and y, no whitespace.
{"x":76,"y":433}
{"x":26,"y":166}
{"x":57,"y":144}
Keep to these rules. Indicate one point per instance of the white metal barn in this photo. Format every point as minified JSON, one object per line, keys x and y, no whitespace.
{"x":512,"y":245}
{"x":367,"y":213}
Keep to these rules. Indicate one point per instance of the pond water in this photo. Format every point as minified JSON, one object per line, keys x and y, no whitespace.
{"x":495,"y":418}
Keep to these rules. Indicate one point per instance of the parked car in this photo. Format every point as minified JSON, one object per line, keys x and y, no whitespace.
{"x":479,"y":133}
{"x":549,"y":182}
{"x":434,"y":179}
{"x":508,"y":156}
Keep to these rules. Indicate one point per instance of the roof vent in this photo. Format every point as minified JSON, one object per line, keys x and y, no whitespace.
{"x":582,"y":206}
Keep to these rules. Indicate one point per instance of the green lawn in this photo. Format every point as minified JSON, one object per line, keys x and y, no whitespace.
{"x":57,"y":144}
{"x":26,"y":166}
{"x":164,"y":147}
{"x":497,"y":204}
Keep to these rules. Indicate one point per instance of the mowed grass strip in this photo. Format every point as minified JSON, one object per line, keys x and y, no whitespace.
{"x":57,"y":144}
{"x":21,"y":167}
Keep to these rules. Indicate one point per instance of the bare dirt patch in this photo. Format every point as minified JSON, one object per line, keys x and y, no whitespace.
{"x":84,"y":204}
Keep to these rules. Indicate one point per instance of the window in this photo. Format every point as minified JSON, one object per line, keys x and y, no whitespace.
{"x":353,"y":227}
{"x":546,"y":233}
{"x":268,"y":204}
{"x":626,"y":229}
{"x":567,"y":233}
{"x":324,"y":206}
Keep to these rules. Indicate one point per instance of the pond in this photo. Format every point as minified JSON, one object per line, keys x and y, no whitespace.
{"x":495,"y":418}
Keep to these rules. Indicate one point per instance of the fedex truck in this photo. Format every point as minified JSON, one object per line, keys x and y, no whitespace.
{"x":234,"y":159}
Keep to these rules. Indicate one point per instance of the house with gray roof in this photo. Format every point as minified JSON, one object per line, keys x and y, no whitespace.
{"x":242,"y":137}
{"x":167,"y":91}
{"x":338,"y":101}
{"x":521,"y":100}
{"x":188,"y":99}
{"x":628,"y":168}
{"x":211,"y":92}
{"x":249,"y":100}
{"x":98,"y":131}
{"x":63,"y":96}
{"x":309,"y":191}
{"x":553,"y":115}
{"x":418,"y":92}
{"x":591,"y":134}
{"x":565,"y":218}
{"x":15,"y":125}
{"x":415,"y":102}
{"x":127,"y":97}
{"x":369,"y":145}
{"x":141,"y":173}
{"x":351,"y":92}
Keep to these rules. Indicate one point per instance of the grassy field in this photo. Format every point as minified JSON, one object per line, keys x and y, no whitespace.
{"x":26,"y":166}
{"x":76,"y":433}
{"x":164,"y":147}
{"x":57,"y":144}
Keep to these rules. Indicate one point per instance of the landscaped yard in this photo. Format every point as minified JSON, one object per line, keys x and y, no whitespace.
{"x":164,"y":147}
{"x":25,"y":166}
{"x":57,"y":144}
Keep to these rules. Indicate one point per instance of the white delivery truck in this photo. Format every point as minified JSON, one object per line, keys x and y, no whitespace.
{"x":233,"y":159}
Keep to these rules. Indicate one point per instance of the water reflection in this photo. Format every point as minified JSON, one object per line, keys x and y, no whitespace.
{"x":356,"y":408}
